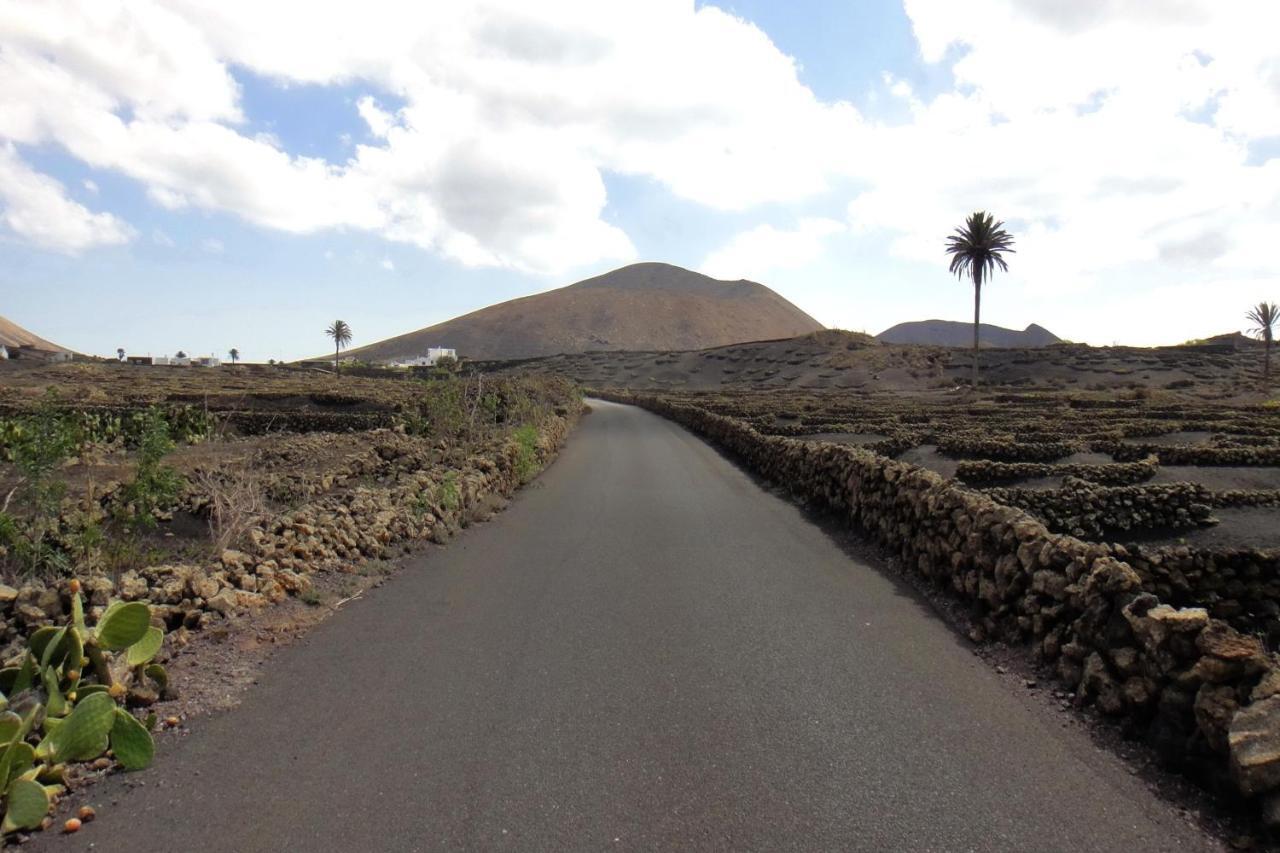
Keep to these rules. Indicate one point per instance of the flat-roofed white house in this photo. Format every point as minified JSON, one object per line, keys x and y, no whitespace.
{"x":432,"y":357}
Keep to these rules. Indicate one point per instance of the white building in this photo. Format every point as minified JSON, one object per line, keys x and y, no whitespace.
{"x":4,"y":352}
{"x":434,"y":354}
{"x":207,"y":361}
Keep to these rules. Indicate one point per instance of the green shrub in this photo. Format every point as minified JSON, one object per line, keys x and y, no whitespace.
{"x":527,"y":455}
{"x":155,"y":486}
{"x":40,"y":443}
{"x":450,"y":496}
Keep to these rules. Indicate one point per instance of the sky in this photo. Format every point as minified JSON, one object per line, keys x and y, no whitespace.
{"x":201,"y":176}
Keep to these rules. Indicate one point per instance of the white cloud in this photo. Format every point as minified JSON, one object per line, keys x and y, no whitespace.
{"x":388,"y":265}
{"x":1111,"y":135}
{"x":756,"y":253}
{"x":213,"y":245}
{"x":37,"y":208}
{"x":379,"y":120}
{"x":510,"y":118}
{"x":90,"y":185}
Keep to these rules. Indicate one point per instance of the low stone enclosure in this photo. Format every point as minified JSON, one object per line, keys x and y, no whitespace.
{"x":1120,"y":627}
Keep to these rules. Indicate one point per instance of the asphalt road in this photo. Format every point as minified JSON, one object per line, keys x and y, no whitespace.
{"x":644,"y":652}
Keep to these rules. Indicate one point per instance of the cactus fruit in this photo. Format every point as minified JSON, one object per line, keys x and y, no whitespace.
{"x":72,"y":825}
{"x":87,"y":813}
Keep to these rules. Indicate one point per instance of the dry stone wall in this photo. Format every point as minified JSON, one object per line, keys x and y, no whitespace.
{"x":963,"y":447}
{"x":1193,"y":454}
{"x":394,"y":494}
{"x":1084,"y":509}
{"x":982,"y":471}
{"x":1203,"y":693}
{"x":1238,"y":585}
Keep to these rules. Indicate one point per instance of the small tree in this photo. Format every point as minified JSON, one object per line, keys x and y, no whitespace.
{"x":120,"y":354}
{"x":44,"y":440}
{"x":976,"y":250}
{"x":180,"y":354}
{"x":341,"y":334}
{"x":1264,"y":316}
{"x":234,"y":354}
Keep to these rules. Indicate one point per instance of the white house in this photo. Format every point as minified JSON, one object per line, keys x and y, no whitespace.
{"x":434,"y":354}
{"x":207,"y":361}
{"x":4,"y":352}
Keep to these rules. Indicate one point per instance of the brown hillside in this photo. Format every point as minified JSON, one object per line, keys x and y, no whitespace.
{"x":13,"y":335}
{"x":647,"y":306}
{"x":848,"y":361}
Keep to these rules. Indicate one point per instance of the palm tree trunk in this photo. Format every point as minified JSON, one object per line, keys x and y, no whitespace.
{"x":336,"y":349}
{"x":1266,"y":363}
{"x":977,"y":309}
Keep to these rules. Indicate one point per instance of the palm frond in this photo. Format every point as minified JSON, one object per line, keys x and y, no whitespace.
{"x":1264,"y":317}
{"x":340,"y":332}
{"x":978,"y":248}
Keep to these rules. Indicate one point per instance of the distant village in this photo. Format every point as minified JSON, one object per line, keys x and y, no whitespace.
{"x":26,"y":352}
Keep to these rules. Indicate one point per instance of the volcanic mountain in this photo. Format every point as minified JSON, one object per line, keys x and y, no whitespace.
{"x":13,"y":335}
{"x":647,"y":306}
{"x":948,"y":333}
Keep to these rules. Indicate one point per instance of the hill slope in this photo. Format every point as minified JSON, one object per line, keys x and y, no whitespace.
{"x":949,"y":333}
{"x":13,"y":335}
{"x":847,"y":361}
{"x":646,"y":306}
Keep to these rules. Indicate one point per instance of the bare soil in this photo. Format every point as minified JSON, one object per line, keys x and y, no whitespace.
{"x":848,"y":361}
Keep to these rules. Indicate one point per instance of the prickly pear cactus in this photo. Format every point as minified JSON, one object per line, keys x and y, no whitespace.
{"x":60,"y":702}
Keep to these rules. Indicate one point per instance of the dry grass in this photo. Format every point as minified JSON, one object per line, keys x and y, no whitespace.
{"x":237,"y":502}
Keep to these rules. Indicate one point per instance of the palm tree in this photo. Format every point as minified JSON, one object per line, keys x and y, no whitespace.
{"x":1264,"y":316}
{"x":341,"y":334}
{"x":235,"y":355}
{"x":120,"y":354}
{"x":976,"y":250}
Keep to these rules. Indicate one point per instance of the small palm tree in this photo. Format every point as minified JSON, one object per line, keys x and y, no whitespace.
{"x":181,"y":354}
{"x":341,"y":334}
{"x":120,"y":353}
{"x":234,"y":354}
{"x":976,"y":250}
{"x":1264,"y":316}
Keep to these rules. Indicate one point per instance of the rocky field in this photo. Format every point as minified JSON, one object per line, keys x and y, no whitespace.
{"x":839,"y":360}
{"x":1072,"y":525}
{"x":210,"y":495}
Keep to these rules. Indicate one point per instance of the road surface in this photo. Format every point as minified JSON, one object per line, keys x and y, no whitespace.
{"x":646,"y":651}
